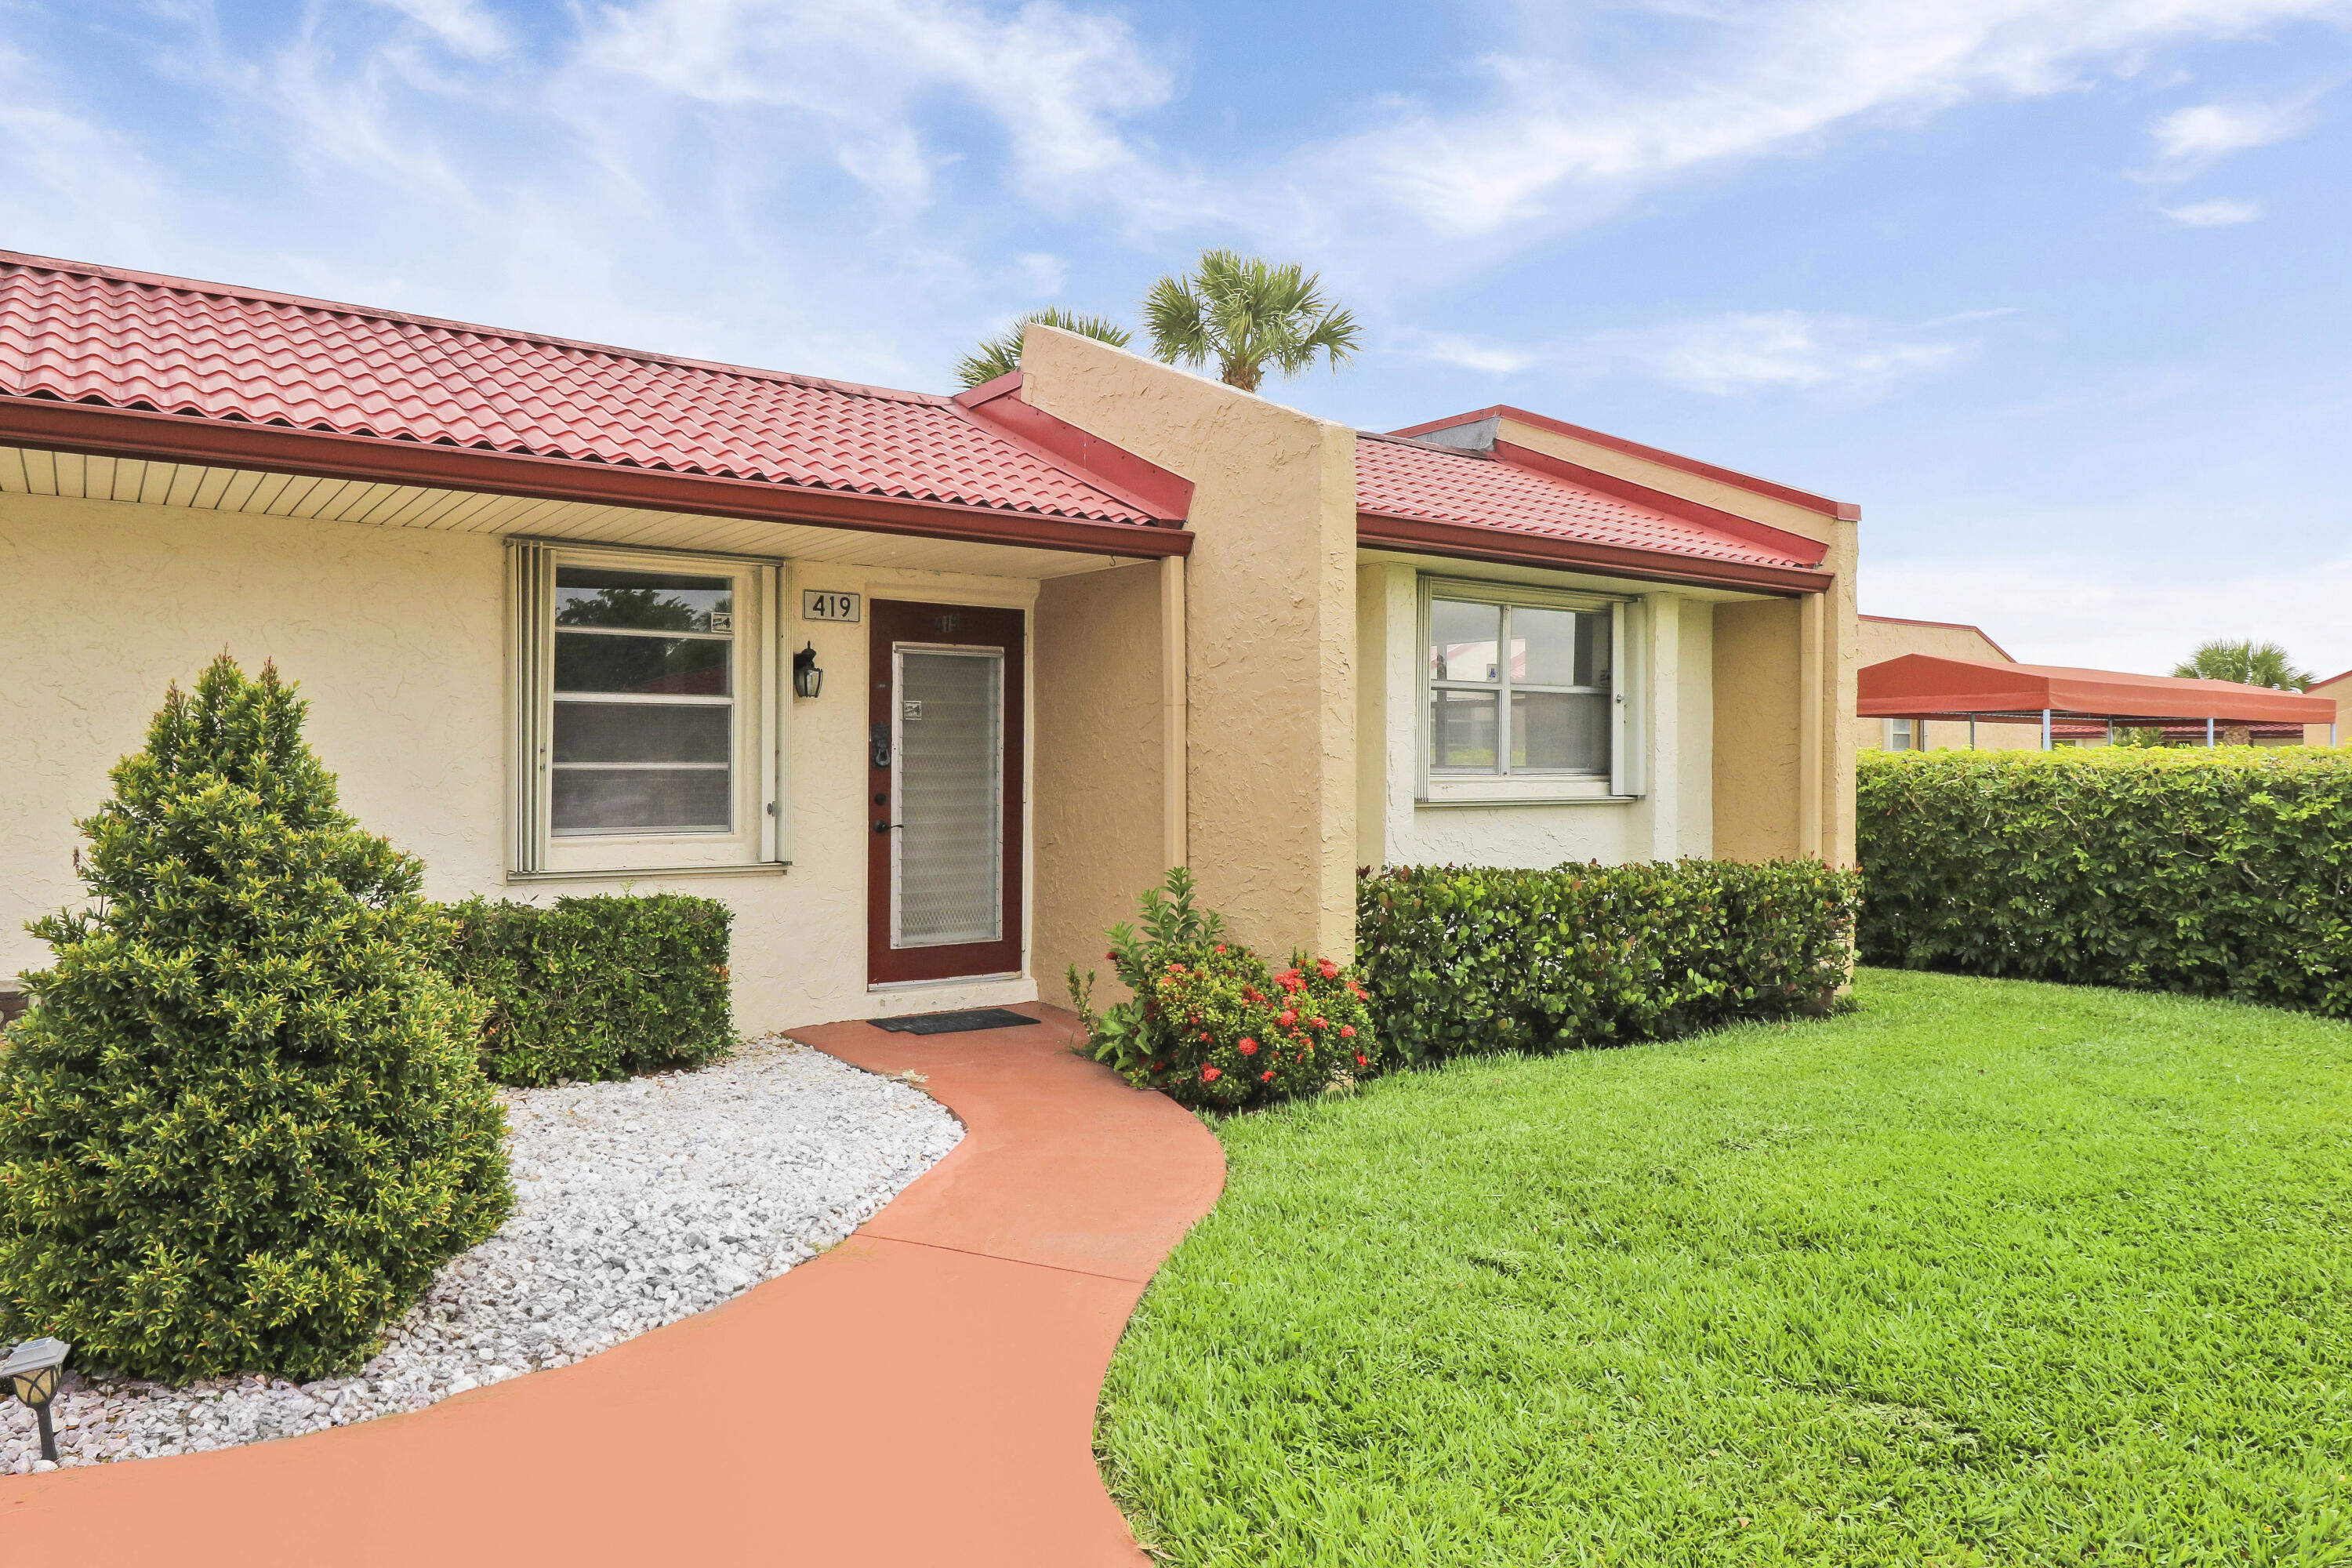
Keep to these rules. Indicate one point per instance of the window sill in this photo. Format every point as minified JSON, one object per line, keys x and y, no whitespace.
{"x":647,"y":873}
{"x":1452,"y":801}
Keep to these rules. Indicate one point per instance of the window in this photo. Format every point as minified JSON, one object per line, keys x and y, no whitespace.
{"x":1906,"y":735}
{"x":639,"y":687}
{"x":1521,"y":694}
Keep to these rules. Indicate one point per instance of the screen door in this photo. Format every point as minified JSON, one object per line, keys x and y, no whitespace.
{"x":944,"y":752}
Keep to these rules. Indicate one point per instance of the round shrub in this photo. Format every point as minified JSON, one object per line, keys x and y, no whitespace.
{"x":243,"y":1121}
{"x":1229,"y":1033}
{"x":1212,"y":1024}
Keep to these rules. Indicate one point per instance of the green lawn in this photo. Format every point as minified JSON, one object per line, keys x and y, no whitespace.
{"x":1985,"y":1272}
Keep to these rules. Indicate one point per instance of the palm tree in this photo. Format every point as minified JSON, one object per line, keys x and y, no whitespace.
{"x":1001,"y":355}
{"x":2247,"y":663}
{"x":1249,"y":315}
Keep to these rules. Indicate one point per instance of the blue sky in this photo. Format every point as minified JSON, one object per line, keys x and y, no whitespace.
{"x":2061,"y":293}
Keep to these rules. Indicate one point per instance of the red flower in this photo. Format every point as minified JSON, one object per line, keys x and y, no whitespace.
{"x":1359,"y":989}
{"x":1346,"y":1031}
{"x":1248,"y":1047}
{"x":1330,"y":970}
{"x":1320,"y":1021}
{"x":1266,"y":1077}
{"x":1204,"y":1034}
{"x":1289,"y":1016}
{"x":1362,"y":1060}
{"x":1249,"y":994}
{"x":1112,"y":955}
{"x":1221,"y":947}
{"x":1210,"y":1075}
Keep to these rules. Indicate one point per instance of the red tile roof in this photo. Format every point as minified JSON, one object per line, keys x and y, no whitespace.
{"x":125,"y":340}
{"x":73,"y":335}
{"x":1430,"y":483}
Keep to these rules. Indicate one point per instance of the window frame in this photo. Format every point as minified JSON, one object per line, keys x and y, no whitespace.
{"x":1506,"y":784}
{"x":760,"y":708}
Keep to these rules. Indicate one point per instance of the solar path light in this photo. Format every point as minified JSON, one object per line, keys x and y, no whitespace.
{"x":31,"y":1373}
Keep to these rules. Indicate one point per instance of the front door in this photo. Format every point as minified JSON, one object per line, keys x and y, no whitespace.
{"x":943,"y":771}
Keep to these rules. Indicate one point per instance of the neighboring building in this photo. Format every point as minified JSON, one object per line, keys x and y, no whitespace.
{"x":546,"y":600}
{"x":2339,"y":686}
{"x":1884,"y":637}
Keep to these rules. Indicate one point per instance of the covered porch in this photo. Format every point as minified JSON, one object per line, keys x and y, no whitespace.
{"x":2074,"y":703}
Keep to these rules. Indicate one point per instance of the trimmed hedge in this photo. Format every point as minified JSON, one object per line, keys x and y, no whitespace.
{"x":599,"y":987}
{"x":1466,"y":958}
{"x":2222,"y":872}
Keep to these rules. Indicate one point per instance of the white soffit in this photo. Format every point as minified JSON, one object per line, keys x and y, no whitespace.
{"x":34,"y":471}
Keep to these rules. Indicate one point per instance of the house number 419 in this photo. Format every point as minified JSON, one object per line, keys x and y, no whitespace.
{"x":817,"y":604}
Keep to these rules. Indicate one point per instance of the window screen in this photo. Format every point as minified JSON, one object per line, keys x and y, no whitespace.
{"x":1517,"y":689}
{"x":644,"y":735}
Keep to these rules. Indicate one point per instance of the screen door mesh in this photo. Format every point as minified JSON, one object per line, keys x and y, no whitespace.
{"x":951,"y":850}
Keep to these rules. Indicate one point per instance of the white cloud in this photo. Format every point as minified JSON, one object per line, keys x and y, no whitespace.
{"x":1480,"y":354}
{"x":1558,"y":132}
{"x":461,"y":25}
{"x":2219,"y":213}
{"x":70,"y":185}
{"x":1784,"y":350}
{"x":2191,"y":139}
{"x":1057,"y":82}
{"x":1042,"y":271}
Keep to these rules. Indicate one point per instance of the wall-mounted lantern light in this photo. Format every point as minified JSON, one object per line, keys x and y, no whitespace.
{"x":807,"y":679}
{"x":31,"y":1373}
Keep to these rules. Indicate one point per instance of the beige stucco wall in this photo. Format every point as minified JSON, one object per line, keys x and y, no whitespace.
{"x":397,"y":637}
{"x":1723,"y":495}
{"x":1882,"y":640}
{"x":2339,"y":689}
{"x":1671,"y":667}
{"x":1100,"y":773}
{"x":1757,"y":714}
{"x":1270,"y":774}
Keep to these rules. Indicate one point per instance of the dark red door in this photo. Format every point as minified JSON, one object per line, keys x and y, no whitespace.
{"x":944,"y":772}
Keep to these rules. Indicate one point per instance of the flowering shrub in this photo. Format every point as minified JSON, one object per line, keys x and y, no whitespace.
{"x":1210,"y":1023}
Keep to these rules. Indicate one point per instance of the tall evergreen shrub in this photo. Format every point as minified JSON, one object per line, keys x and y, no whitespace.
{"x":2224,"y":872}
{"x":243,"y":1121}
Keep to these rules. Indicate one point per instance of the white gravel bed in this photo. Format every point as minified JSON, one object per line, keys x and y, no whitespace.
{"x":638,"y":1203}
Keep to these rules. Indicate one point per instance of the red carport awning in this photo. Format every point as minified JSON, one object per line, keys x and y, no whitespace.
{"x":1921,"y":685}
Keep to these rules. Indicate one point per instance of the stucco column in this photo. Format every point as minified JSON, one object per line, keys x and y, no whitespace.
{"x":1269,"y":709}
{"x":1663,"y":615}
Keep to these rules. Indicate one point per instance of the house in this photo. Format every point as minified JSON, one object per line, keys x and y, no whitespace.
{"x":2339,"y":686}
{"x":1883,"y":637}
{"x":924,"y":687}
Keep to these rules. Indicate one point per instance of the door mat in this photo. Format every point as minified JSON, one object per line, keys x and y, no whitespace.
{"x":962,"y":1023}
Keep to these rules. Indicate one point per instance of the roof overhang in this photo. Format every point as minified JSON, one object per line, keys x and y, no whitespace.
{"x":1484,"y":426}
{"x":1470,"y":542}
{"x":232,"y":444}
{"x":1922,"y":686}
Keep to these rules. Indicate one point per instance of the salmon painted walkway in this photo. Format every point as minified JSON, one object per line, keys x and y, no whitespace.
{"x":924,"y":1394}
